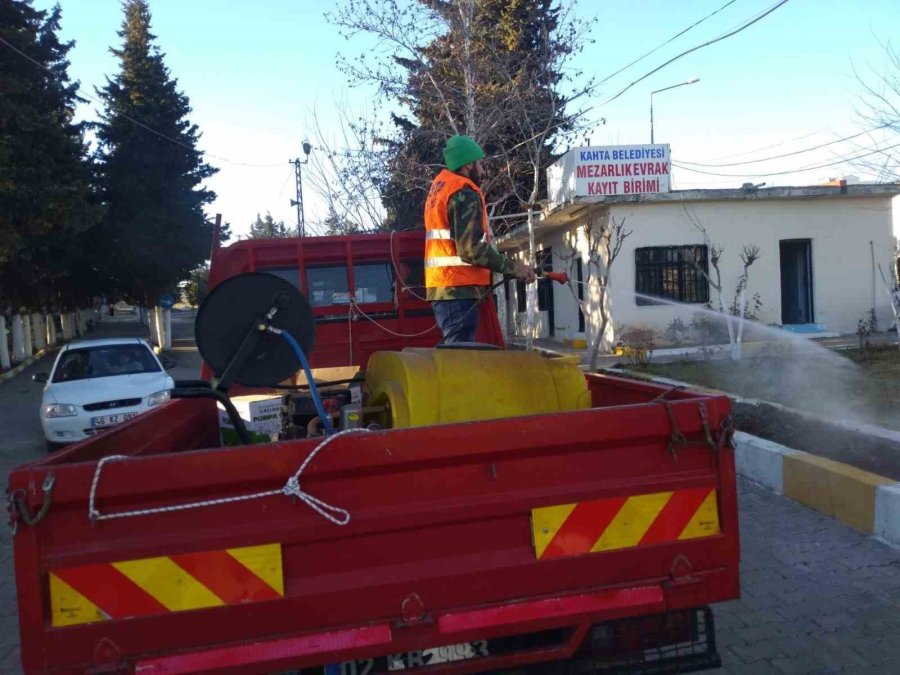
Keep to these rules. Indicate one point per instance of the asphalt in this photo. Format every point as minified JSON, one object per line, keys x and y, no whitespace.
{"x":818,"y":596}
{"x":23,"y":441}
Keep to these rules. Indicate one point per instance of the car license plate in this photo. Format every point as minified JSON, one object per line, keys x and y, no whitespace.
{"x":111,"y":420}
{"x":407,"y":660}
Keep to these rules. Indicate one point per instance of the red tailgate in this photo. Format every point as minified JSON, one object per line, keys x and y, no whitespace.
{"x":444,"y":543}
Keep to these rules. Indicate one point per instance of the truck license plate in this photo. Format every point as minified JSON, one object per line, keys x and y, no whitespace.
{"x":407,"y":660}
{"x":111,"y":420}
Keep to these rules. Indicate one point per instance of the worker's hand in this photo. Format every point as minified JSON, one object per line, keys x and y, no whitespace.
{"x":524,"y":273}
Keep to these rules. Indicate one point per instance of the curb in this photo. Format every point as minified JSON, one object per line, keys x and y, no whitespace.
{"x":12,"y":372}
{"x":857,"y":498}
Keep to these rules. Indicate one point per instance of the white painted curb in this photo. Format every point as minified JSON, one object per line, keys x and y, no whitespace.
{"x":12,"y":372}
{"x":887,"y":513}
{"x":761,"y":461}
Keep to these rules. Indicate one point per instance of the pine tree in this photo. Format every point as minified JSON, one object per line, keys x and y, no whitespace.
{"x":268,"y":228}
{"x":155,"y":227}
{"x":47,"y":200}
{"x":334,"y":224}
{"x":225,"y":232}
{"x":196,"y":288}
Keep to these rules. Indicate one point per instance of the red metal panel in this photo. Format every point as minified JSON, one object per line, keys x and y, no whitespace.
{"x":645,"y":600}
{"x":261,"y":654}
{"x":181,"y":426}
{"x":446,"y":519}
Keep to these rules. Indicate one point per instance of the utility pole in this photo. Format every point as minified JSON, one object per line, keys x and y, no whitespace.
{"x":298,"y":179}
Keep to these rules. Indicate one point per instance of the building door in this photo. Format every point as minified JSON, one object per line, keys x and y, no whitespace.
{"x":796,"y":281}
{"x":545,"y":289}
{"x":579,"y":271}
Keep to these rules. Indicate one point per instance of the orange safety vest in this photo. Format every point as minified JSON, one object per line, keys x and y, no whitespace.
{"x":443,"y":266}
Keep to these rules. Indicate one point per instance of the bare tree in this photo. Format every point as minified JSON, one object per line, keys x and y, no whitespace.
{"x":513,"y":101}
{"x":347,"y":168}
{"x":538,"y":113}
{"x":404,"y":33}
{"x":880,"y":111}
{"x":598,"y":245}
{"x":749,"y":255}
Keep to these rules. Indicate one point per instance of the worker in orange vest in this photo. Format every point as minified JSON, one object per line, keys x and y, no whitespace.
{"x":459,"y":251}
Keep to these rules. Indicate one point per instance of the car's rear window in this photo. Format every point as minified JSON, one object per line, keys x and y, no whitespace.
{"x":82,"y":364}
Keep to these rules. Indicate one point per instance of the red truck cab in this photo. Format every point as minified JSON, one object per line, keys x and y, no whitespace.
{"x":583,"y":540}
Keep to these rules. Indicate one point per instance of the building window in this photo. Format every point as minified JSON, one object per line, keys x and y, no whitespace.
{"x":670,"y":272}
{"x":579,"y":274}
{"x":545,"y":286}
{"x":521,"y":297}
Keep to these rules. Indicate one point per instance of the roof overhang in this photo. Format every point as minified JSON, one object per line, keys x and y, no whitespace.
{"x":576,"y":210}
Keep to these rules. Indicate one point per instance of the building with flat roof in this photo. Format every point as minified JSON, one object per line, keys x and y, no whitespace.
{"x":819,"y":252}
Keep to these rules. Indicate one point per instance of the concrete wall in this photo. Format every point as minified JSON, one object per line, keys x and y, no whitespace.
{"x":565,"y":306}
{"x":840,"y":230}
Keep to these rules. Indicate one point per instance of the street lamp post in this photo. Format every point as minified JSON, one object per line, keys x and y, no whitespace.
{"x":674,"y":86}
{"x":298,"y":179}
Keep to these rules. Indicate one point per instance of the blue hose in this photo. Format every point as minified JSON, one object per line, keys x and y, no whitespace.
{"x":314,"y":392}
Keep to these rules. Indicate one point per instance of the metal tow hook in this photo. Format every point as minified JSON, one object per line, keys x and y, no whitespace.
{"x":22,"y":508}
{"x":12,"y":510}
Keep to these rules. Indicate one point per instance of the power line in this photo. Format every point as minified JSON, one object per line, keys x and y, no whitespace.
{"x":790,"y":154}
{"x":693,"y":49}
{"x":139,"y":123}
{"x":671,"y":39}
{"x":769,"y":147}
{"x":784,"y":173}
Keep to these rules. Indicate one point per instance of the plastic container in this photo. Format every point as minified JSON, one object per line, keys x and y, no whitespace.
{"x":439,"y":386}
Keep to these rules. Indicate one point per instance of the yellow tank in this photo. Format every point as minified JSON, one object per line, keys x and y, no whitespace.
{"x":439,"y":386}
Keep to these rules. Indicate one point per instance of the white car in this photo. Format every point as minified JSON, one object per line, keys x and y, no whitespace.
{"x":97,"y":384}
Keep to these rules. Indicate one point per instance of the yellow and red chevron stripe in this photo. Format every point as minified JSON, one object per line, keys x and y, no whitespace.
{"x":165,"y":584}
{"x":624,"y":522}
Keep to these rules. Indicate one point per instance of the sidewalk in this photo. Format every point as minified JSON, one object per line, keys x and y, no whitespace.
{"x":121,"y":325}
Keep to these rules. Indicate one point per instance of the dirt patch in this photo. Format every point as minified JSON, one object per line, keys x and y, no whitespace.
{"x":849,"y":386}
{"x":820,"y":437}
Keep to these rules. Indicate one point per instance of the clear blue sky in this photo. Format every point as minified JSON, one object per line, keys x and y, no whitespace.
{"x":255,"y":71}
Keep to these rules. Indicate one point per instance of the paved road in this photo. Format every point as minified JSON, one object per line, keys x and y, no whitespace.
{"x":23,"y":440}
{"x":818,"y":597}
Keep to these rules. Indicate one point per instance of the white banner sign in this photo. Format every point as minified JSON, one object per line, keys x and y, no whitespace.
{"x":621,"y":170}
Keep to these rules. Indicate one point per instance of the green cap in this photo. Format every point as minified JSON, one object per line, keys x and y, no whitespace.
{"x":461,"y":150}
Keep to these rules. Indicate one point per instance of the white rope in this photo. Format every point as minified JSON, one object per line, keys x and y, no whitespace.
{"x":385,"y":328}
{"x":292,"y":488}
{"x":350,"y":319}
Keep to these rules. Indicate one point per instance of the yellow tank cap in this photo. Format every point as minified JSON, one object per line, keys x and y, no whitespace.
{"x":439,"y":386}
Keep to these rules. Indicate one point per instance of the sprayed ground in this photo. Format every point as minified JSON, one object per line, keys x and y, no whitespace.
{"x":852,"y":386}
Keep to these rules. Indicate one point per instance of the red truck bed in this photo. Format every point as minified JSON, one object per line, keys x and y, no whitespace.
{"x":536,"y":526}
